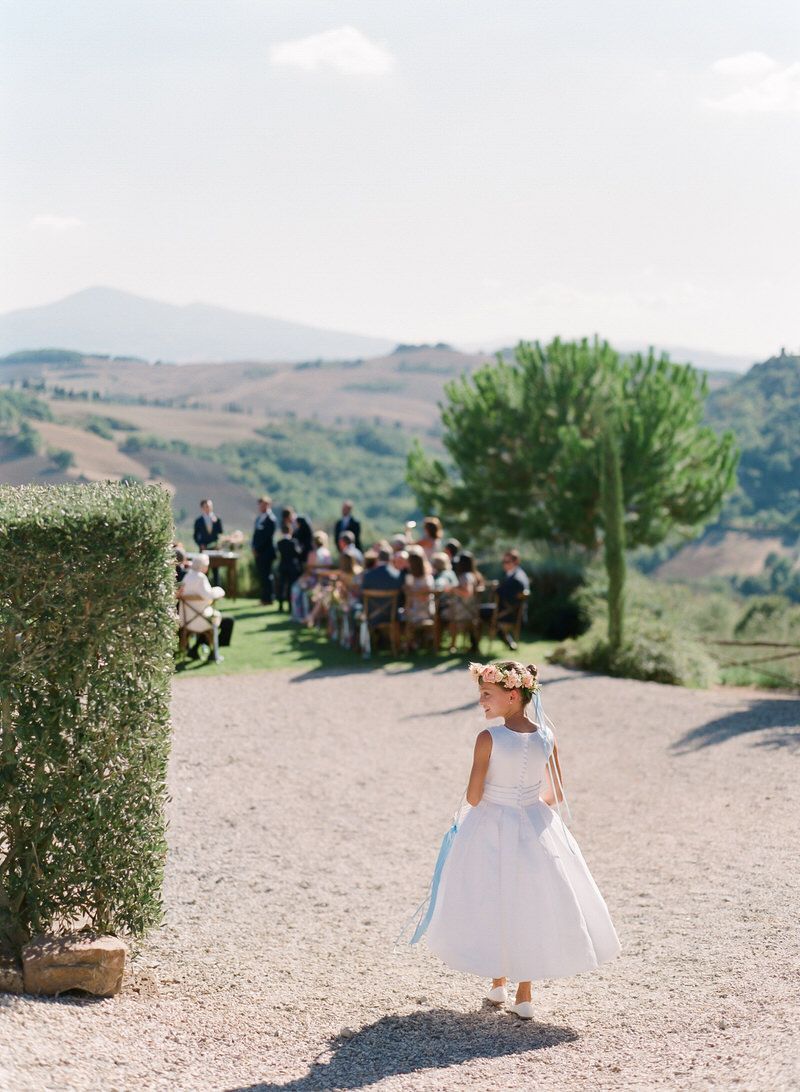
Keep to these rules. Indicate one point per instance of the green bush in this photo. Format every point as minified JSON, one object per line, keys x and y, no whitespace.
{"x":27,"y":441}
{"x":649,"y":652}
{"x":62,"y":458}
{"x":555,"y":607}
{"x":86,"y":634}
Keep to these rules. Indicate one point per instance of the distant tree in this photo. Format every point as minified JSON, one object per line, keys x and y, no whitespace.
{"x":574,"y":445}
{"x":27,"y":441}
{"x":62,"y":459}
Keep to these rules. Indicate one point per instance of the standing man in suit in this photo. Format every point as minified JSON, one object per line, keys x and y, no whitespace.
{"x":207,"y":529}
{"x":264,"y":547}
{"x":348,"y":522}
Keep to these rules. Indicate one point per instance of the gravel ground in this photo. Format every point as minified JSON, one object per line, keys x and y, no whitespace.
{"x":306,"y":815}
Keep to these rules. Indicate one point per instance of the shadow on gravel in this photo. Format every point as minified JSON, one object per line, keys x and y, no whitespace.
{"x":435,"y":1039}
{"x":778,"y":719}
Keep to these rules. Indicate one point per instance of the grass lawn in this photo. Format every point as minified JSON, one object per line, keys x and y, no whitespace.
{"x":264,"y":640}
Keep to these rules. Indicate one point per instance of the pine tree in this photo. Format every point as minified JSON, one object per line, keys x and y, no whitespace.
{"x":530,"y":443}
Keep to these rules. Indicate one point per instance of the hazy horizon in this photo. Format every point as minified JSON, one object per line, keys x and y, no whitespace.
{"x":425,"y":173}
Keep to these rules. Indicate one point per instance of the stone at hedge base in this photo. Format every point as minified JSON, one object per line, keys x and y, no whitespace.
{"x":53,"y":965}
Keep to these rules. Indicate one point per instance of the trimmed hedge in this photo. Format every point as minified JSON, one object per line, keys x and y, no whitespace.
{"x":86,"y":634}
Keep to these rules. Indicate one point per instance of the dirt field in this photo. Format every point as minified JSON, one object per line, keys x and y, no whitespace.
{"x":306,"y":815}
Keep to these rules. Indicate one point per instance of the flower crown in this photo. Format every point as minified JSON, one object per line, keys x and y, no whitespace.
{"x":512,"y":678}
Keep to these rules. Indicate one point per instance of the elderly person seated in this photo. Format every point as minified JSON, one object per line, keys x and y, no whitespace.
{"x":443,"y":575}
{"x":197,"y":615}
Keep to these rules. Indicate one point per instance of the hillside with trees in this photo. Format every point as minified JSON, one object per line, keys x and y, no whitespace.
{"x":762,"y":408}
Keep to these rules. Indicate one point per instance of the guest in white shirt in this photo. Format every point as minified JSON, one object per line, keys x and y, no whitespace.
{"x":196,"y":597}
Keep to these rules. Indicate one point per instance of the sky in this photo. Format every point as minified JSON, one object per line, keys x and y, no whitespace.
{"x":463,"y":171}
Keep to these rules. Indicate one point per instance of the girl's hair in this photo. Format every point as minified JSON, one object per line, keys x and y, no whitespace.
{"x":441,"y":562}
{"x":515,"y":665}
{"x":417,"y":562}
{"x":320,"y":538}
{"x":433,"y":526}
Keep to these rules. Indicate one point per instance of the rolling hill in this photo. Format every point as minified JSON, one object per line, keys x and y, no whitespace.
{"x":105,"y":320}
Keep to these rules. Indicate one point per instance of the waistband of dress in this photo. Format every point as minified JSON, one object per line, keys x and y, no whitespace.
{"x":512,"y":796}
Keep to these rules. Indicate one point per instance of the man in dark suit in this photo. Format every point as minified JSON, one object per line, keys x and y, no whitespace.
{"x":264,"y":547}
{"x":510,"y":588}
{"x":207,"y":526}
{"x":348,"y":522}
{"x":382,"y":577}
{"x":207,"y":529}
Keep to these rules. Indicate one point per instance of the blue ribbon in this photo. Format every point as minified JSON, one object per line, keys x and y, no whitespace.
{"x":444,"y":851}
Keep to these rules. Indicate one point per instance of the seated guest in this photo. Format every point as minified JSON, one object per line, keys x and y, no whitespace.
{"x":431,"y":541}
{"x":347,"y":545}
{"x":181,"y":562}
{"x":443,"y":575}
{"x":370,"y":559}
{"x":452,"y":548}
{"x":320,"y":555}
{"x":383,"y":577}
{"x":400,"y":561}
{"x":302,"y":589}
{"x":196,"y":598}
{"x":461,"y":605}
{"x":510,"y":588}
{"x":418,"y":580}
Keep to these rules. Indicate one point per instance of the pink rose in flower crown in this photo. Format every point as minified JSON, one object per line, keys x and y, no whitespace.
{"x":513,"y":680}
{"x":491,"y":674}
{"x":475,"y":670}
{"x":528,"y":680}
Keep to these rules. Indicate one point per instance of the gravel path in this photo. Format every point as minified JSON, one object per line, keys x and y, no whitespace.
{"x":306,"y":815}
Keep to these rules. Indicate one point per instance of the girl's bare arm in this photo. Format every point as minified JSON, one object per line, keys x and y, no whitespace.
{"x":553,"y":792}
{"x":480,"y":764}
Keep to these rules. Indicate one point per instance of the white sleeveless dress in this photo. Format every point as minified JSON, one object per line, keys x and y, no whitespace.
{"x":515,"y":897}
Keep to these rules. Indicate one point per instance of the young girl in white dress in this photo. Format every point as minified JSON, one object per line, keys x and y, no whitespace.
{"x":512,"y":897}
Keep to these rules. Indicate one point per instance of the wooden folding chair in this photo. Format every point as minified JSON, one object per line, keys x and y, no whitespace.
{"x":380,"y":617}
{"x":416,"y":603}
{"x":511,"y":620}
{"x":189,"y":613}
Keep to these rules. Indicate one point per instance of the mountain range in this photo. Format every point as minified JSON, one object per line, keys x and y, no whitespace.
{"x":110,"y":322}
{"x":106,"y":321}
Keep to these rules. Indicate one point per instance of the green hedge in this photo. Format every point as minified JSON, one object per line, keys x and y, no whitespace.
{"x":86,"y":634}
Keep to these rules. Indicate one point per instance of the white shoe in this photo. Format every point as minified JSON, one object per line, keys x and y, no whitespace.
{"x":498,"y":995}
{"x":524,"y":1010}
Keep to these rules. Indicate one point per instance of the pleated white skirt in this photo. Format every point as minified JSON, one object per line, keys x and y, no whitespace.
{"x":516,"y":899}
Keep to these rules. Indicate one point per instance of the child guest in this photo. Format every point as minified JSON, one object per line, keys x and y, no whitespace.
{"x":512,"y":897}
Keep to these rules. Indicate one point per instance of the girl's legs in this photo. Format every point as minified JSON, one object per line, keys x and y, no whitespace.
{"x":497,"y":982}
{"x":523,"y":992}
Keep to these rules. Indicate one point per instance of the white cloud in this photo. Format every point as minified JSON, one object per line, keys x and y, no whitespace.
{"x":765,"y":85}
{"x":47,"y":222}
{"x":745,"y":64}
{"x":344,"y":49}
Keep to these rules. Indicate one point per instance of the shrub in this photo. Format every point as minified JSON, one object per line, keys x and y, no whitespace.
{"x":555,"y":608}
{"x":649,"y":652}
{"x":27,"y":441}
{"x":62,"y":459}
{"x":85,"y":660}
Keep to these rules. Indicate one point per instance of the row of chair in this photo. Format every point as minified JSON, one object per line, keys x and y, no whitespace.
{"x":402,"y":621}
